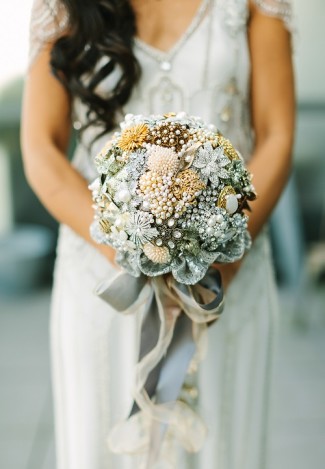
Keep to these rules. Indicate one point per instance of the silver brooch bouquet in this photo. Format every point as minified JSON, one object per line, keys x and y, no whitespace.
{"x":171,"y":196}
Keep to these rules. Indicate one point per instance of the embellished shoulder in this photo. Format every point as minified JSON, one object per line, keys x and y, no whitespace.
{"x":49,"y":20}
{"x":281,"y":9}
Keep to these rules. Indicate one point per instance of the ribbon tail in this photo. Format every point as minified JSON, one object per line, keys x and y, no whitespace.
{"x":171,"y":378}
{"x":176,"y":362}
{"x":167,"y":314}
{"x":149,"y":337}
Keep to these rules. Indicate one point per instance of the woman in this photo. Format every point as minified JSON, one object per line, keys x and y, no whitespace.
{"x":228,"y":61}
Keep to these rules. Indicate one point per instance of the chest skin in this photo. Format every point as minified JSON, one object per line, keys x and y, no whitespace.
{"x":161,"y":23}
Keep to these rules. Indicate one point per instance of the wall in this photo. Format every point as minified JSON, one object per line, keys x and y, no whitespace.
{"x":309,"y":50}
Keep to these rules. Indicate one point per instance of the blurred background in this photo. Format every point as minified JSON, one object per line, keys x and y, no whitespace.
{"x":27,"y":247}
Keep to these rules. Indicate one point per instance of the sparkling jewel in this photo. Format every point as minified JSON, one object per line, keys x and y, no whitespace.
{"x":123,"y":195}
{"x":119,"y":222}
{"x":171,"y":223}
{"x":177,"y":234}
{"x":123,"y":236}
{"x":231,"y":204}
{"x":159,"y":242}
{"x":212,"y":221}
{"x":223,"y":198}
{"x":146,"y":206}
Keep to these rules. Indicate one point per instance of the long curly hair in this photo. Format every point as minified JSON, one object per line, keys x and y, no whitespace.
{"x":97,"y":29}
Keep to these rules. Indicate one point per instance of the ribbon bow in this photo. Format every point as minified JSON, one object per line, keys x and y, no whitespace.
{"x":175,"y":317}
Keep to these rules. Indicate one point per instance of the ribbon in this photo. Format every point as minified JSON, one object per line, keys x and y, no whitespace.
{"x":174,"y":321}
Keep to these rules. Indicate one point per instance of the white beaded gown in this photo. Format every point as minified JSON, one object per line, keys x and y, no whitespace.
{"x":93,"y":348}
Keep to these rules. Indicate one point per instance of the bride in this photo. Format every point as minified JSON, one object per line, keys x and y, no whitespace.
{"x":91,"y":62}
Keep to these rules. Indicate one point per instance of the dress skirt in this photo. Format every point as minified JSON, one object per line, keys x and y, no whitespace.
{"x":94,"y":350}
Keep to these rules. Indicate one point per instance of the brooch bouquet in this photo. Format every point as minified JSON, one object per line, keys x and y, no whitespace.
{"x":170,"y":197}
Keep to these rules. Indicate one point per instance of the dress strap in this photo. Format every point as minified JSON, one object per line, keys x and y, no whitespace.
{"x":49,"y":20}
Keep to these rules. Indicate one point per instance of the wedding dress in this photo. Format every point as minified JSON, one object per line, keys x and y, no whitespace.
{"x":94,"y":349}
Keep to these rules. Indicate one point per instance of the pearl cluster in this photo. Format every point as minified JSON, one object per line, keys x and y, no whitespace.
{"x":203,"y":135}
{"x":157,"y":197}
{"x":169,"y":134}
{"x":162,"y":160}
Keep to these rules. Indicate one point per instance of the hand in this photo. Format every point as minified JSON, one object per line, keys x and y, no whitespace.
{"x":228,"y":272}
{"x":109,"y":253}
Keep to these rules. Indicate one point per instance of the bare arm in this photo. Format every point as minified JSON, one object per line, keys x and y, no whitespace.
{"x":273,"y":111}
{"x":45,"y":133}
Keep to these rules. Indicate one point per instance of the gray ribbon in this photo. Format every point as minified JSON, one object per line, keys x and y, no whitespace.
{"x":165,"y":379}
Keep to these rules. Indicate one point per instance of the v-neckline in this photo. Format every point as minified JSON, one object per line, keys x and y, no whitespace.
{"x":168,"y":54}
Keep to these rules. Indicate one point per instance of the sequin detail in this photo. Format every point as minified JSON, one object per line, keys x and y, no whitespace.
{"x":49,"y":20}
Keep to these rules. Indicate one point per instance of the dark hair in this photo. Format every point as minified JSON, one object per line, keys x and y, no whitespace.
{"x":97,"y":29}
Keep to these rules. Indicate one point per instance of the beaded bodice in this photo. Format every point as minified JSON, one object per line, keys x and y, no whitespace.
{"x":205,"y":73}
